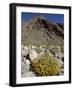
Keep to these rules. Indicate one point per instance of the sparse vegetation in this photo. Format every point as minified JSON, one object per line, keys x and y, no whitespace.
{"x":45,"y":65}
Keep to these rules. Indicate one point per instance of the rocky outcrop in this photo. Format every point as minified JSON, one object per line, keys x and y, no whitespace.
{"x":31,"y":53}
{"x":25,"y":63}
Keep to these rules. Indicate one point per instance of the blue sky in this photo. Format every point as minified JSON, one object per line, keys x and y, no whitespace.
{"x":56,"y":18}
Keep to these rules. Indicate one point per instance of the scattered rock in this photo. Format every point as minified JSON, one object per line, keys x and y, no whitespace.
{"x":29,"y":54}
{"x":28,"y":74}
{"x":25,"y":65}
{"x":62,"y":72}
{"x":60,"y":62}
{"x":24,"y":53}
{"x":32,"y":54}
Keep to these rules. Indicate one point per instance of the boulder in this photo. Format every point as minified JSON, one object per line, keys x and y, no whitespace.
{"x":60,"y":62}
{"x":32,"y":54}
{"x":25,"y":65}
{"x":24,"y":53}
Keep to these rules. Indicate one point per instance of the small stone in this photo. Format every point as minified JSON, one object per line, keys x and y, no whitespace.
{"x":25,"y":48}
{"x":28,"y":74}
{"x":60,"y":62}
{"x":62,"y":72}
{"x":24,"y":53}
{"x":27,"y":62}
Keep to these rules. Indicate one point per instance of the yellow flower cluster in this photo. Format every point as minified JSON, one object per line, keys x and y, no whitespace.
{"x":45,"y":65}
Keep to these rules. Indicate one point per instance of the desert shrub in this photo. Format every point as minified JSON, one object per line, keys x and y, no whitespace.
{"x":45,"y":65}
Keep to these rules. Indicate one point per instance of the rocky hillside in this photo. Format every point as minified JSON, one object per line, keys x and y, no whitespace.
{"x":39,"y":61}
{"x":39,"y":31}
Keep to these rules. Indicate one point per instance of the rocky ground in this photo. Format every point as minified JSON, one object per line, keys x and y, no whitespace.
{"x":30,"y":53}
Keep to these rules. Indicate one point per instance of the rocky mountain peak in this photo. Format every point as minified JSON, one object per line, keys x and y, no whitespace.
{"x":39,"y":31}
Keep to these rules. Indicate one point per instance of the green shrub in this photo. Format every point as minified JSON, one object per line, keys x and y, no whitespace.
{"x":45,"y":65}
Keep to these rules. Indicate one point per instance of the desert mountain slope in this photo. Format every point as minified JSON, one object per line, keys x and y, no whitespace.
{"x":39,"y":31}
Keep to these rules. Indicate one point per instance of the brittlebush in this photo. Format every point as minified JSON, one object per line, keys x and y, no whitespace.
{"x":45,"y":65}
